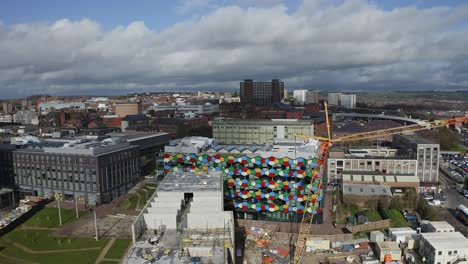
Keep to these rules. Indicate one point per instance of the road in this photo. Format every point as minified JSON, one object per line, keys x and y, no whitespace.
{"x":454,"y":198}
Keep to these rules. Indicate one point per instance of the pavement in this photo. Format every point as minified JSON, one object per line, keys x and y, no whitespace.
{"x":454,"y":198}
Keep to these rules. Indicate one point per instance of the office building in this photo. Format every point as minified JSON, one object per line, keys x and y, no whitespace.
{"x":261,"y":93}
{"x":7,"y":176}
{"x":26,"y":117}
{"x":6,"y":118}
{"x":378,"y":164}
{"x":348,"y":101}
{"x":260,"y":131}
{"x":334,"y":98}
{"x":306,"y":97}
{"x":198,"y":109}
{"x":7,"y":108}
{"x":424,"y":151}
{"x":125,"y":109}
{"x":6,"y":165}
{"x":95,"y":171}
{"x":444,"y":247}
{"x":343,"y":100}
{"x":135,"y":122}
{"x":26,"y":104}
{"x":263,"y":182}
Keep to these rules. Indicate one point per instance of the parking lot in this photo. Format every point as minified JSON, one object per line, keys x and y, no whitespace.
{"x":457,"y":166}
{"x":453,"y":199}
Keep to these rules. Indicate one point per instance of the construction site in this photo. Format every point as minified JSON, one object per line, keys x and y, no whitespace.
{"x":253,"y":204}
{"x":184,"y":221}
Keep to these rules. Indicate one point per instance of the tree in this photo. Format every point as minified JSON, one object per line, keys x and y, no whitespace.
{"x":427,"y":211}
{"x":410,"y":199}
{"x":395,"y":204}
{"x":447,"y":138}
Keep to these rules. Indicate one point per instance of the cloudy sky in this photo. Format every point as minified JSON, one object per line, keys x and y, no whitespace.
{"x":117,"y":47}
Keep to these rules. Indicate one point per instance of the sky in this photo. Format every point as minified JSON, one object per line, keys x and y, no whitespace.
{"x":117,"y":47}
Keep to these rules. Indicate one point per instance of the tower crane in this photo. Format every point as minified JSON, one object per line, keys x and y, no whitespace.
{"x":307,"y":218}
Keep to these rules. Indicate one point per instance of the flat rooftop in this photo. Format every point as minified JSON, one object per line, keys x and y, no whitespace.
{"x":388,"y":245}
{"x":138,"y":134}
{"x":191,"y":182}
{"x":417,"y":139}
{"x":366,"y":189}
{"x":446,"y":240}
{"x":440,"y":225}
{"x":77,"y":146}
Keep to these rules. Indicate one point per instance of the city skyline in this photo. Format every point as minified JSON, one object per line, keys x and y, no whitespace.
{"x":88,"y":48}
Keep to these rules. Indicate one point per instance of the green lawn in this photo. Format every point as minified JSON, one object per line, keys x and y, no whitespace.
{"x":353,"y":209}
{"x":129,"y":203}
{"x":7,"y":249}
{"x":373,"y":215}
{"x":132,"y":201}
{"x":40,"y":240}
{"x":118,"y":249}
{"x":457,"y":148}
{"x":48,"y":217}
{"x":396,"y":218}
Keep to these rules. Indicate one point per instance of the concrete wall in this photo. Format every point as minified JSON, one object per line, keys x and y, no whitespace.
{"x":163,"y":210}
{"x":207,"y":220}
{"x":155,"y":221}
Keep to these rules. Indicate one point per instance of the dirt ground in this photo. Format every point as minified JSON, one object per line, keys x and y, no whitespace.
{"x":111,"y":220}
{"x":253,"y":254}
{"x":108,"y":226}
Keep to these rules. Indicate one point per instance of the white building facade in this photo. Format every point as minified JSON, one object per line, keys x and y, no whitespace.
{"x":306,"y":96}
{"x":443,"y":248}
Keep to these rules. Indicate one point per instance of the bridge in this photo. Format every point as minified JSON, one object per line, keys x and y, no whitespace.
{"x":399,"y":119}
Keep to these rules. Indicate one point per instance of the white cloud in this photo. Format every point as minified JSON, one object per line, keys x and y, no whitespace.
{"x":351,"y":45}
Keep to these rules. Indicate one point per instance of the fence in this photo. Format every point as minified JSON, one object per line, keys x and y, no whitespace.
{"x":370,"y":226}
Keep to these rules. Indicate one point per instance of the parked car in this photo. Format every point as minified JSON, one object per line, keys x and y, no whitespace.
{"x":435,"y":202}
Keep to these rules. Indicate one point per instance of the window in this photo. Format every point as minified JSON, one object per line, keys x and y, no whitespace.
{"x":439,"y":253}
{"x":450,"y":252}
{"x":455,"y":252}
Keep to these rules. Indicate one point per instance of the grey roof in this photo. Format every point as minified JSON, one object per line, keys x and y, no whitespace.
{"x":381,"y":124}
{"x":191,"y":182}
{"x":135,"y":117}
{"x":366,"y":189}
{"x":416,"y":139}
{"x":351,"y":127}
{"x":135,"y":135}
